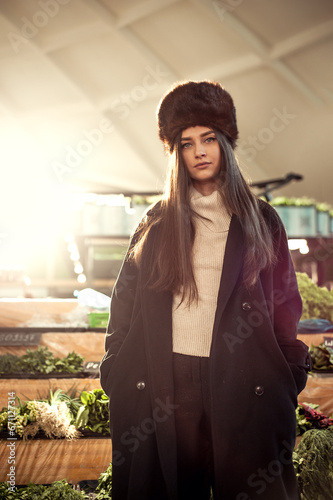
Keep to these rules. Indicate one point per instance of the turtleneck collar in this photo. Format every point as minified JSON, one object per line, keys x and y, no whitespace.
{"x":211,"y":210}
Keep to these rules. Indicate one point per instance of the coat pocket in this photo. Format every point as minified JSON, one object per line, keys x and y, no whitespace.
{"x":106,"y":372}
{"x":298,"y":358}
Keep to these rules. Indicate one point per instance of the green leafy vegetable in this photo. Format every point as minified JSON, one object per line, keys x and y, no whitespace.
{"x":313,"y":463}
{"x":40,"y":361}
{"x":317,"y":301}
{"x":59,"y":490}
{"x":94,"y":414}
{"x":104,"y":488}
{"x":321,"y":357}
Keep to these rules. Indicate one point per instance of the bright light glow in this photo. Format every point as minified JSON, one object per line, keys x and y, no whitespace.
{"x":78,"y":268}
{"x":71,"y":247}
{"x":101,"y":201}
{"x":130,"y":211}
{"x":27,"y":281}
{"x":39,"y":206}
{"x":301,"y":245}
{"x":69,"y":238}
{"x":296,"y":244}
{"x":74,"y":256}
{"x":81,"y":278}
{"x":304,"y":249}
{"x":90,"y":197}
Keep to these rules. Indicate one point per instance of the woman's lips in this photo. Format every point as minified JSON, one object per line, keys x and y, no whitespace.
{"x":202,"y":164}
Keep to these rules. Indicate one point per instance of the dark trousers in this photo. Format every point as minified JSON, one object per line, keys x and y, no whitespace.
{"x":194,"y":449}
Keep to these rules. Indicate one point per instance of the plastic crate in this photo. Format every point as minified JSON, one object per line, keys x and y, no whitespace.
{"x":98,"y":319}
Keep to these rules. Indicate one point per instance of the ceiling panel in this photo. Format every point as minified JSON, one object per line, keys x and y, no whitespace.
{"x":115,"y":65}
{"x":95,"y":60}
{"x":30,"y":82}
{"x":187,"y":43}
{"x":315,"y":66}
{"x":276,"y":21}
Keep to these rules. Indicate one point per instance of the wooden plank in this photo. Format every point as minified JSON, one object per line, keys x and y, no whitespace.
{"x":18,"y":312}
{"x":27,"y":389}
{"x":319,"y":390}
{"x":45,"y":461}
{"x":314,"y":338}
{"x":90,"y":345}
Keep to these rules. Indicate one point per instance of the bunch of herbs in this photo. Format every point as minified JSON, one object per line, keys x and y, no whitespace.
{"x":59,"y":490}
{"x":94,"y":414}
{"x":317,"y":301}
{"x":40,"y":360}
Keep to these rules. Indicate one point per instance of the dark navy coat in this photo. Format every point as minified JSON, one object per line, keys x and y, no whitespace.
{"x":257,"y":369}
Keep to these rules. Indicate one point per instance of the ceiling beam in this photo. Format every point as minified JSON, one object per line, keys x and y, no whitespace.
{"x":227,"y":69}
{"x":278,"y":66}
{"x":142,"y":10}
{"x":37,"y":50}
{"x":131,"y":137}
{"x":79,"y":34}
{"x":109,"y":20}
{"x":301,"y":40}
{"x":262,"y":50}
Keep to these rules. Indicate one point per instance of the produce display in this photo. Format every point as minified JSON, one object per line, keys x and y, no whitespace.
{"x":308,"y":417}
{"x":313,"y":463}
{"x":61,"y":415}
{"x":72,"y":416}
{"x":75,"y":415}
{"x":104,"y":487}
{"x":322,"y":358}
{"x":40,"y":361}
{"x":89,"y":412}
{"x":59,"y":490}
{"x":317,"y":301}
{"x":94,"y":414}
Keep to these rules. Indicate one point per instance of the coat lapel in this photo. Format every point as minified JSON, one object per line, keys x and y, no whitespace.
{"x":232,"y":266}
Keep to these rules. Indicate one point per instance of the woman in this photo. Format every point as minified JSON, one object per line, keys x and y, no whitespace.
{"x":202,"y":364}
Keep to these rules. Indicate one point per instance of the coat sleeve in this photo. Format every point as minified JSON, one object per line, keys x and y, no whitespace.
{"x":122,"y":302}
{"x":287,"y":311}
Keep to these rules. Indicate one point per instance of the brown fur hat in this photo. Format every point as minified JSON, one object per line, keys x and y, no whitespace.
{"x":191,"y":103}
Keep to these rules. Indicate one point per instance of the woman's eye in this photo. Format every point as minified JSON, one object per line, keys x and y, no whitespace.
{"x":186,"y":145}
{"x":210,"y":139}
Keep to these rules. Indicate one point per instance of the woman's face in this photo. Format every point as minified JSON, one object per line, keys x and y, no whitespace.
{"x":202,"y":157}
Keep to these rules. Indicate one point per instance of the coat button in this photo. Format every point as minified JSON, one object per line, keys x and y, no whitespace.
{"x":259,"y":390}
{"x":140,"y":385}
{"x":246,"y":306}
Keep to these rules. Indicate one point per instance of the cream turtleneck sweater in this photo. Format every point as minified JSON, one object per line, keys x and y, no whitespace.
{"x":192,"y":326}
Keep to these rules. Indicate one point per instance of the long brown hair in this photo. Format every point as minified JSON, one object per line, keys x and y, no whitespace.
{"x":172,"y":263}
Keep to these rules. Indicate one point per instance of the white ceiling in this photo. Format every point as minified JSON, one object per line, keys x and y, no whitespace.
{"x":70,"y":67}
